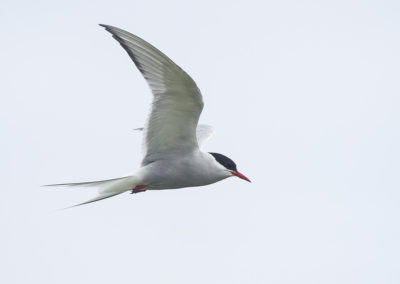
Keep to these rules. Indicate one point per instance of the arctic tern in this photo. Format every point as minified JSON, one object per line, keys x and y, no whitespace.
{"x":172,"y":137}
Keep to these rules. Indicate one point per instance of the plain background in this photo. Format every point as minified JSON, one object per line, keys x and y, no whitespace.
{"x":303,"y":95}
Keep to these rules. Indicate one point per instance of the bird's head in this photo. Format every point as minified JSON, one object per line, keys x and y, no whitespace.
{"x":228,"y":166}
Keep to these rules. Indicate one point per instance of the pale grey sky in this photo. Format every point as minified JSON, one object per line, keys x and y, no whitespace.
{"x":304,"y":97}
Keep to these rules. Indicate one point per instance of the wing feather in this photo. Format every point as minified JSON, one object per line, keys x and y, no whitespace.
{"x":177,"y":102}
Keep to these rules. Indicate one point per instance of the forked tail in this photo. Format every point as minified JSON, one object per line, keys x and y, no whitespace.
{"x":106,"y":188}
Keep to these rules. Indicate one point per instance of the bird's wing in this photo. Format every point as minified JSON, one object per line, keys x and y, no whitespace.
{"x":177,"y":102}
{"x":203,"y":133}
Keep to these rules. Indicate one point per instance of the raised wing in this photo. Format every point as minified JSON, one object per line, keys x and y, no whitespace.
{"x":177,"y":102}
{"x":203,"y":133}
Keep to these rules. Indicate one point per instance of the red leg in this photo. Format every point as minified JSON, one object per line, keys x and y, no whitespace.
{"x":139,"y":188}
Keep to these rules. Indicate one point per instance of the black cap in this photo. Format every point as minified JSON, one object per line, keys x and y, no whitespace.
{"x":225,"y":161}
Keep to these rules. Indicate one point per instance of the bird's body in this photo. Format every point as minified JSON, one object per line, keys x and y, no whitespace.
{"x":172,"y":157}
{"x":192,"y":169}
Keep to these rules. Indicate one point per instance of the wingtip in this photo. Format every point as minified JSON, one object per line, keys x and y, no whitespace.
{"x":106,"y":27}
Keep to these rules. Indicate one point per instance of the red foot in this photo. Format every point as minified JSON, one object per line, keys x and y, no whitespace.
{"x":139,"y":188}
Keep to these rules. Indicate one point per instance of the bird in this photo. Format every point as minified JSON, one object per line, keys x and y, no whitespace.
{"x":172,"y":137}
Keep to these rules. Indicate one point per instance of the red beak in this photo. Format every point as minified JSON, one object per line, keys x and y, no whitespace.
{"x":239,"y":175}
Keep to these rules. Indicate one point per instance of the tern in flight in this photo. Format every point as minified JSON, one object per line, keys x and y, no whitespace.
{"x":172,"y":137}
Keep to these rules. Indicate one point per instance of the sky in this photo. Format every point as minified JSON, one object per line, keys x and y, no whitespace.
{"x":304,"y":96}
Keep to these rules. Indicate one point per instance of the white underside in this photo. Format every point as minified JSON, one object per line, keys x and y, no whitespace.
{"x":187,"y":170}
